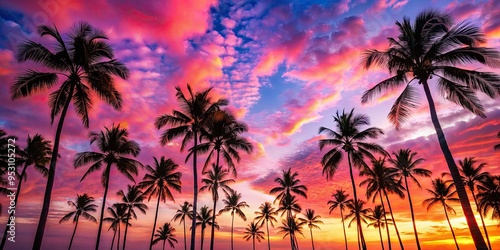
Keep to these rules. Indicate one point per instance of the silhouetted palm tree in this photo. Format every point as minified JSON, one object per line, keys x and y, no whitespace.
{"x":311,"y":220}
{"x":489,"y":196}
{"x":165,"y":233}
{"x":204,"y":219}
{"x":289,"y":205}
{"x":233,"y":204}
{"x":187,"y":122}
{"x":266,"y":214}
{"x":253,"y":232}
{"x":442,"y":192}
{"x":84,"y":204}
{"x":340,"y":200}
{"x":133,"y":199}
{"x":181,"y":215}
{"x":349,"y":139}
{"x":157,"y":183}
{"x":356,"y":209}
{"x":87,"y":65}
{"x":431,"y":47}
{"x":406,"y":166}
{"x":114,"y":146}
{"x":291,"y":226}
{"x":119,"y":215}
{"x":216,"y":178}
{"x":378,"y":218}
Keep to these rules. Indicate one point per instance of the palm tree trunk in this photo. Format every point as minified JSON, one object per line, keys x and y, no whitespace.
{"x":202,"y":237}
{"x":385,"y":218}
{"x":118,"y":241}
{"x":195,"y":191}
{"x":232,"y":227}
{"x":268,"y":240}
{"x":154,"y":225}
{"x":213,"y":226}
{"x":482,"y":220}
{"x":380,"y":235}
{"x":37,"y":244}
{"x":394,"y":221}
{"x":113,"y":240}
{"x":451,"y":228}
{"x":164,"y":244}
{"x":296,"y":243}
{"x":108,"y":169}
{"x":462,"y":195}
{"x":126,"y":229}
{"x":312,"y":239}
{"x":253,"y":239}
{"x":412,"y":215}
{"x":343,"y":227}
{"x":74,"y":231}
{"x":4,"y":239}
{"x":185,"y":243}
{"x":358,"y":219}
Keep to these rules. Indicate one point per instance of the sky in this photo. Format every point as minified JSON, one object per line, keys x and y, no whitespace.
{"x":286,"y":68}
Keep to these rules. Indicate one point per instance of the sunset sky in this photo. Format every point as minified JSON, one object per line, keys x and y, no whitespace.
{"x":286,"y":68}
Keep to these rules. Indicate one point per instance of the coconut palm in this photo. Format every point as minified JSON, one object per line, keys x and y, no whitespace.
{"x":381,"y":180}
{"x":37,"y":154}
{"x":181,"y":214}
{"x":266,"y":214}
{"x":489,"y":196}
{"x":204,"y":219}
{"x":406,"y":164}
{"x":165,"y":233}
{"x":119,"y":215}
{"x":311,"y":220}
{"x":289,"y":205}
{"x":253,"y":232}
{"x":133,"y":199}
{"x":233,"y":204}
{"x":378,"y":220}
{"x":348,"y":138}
{"x":86,"y":63}
{"x":187,"y":122}
{"x":216,"y":178}
{"x":158,"y":182}
{"x":291,"y":226}
{"x":83,"y":206}
{"x":432,"y":47}
{"x":340,"y":201}
{"x":114,"y":146}
{"x":442,"y":193}
{"x":356,"y":209}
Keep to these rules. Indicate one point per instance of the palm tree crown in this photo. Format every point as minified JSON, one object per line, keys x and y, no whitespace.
{"x":181,"y":214}
{"x":253,"y":232}
{"x":288,"y":184}
{"x":165,"y":233}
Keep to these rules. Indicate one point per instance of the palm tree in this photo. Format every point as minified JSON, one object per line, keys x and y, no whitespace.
{"x":290,"y":226}
{"x":157,"y":183}
{"x":204,"y":219}
{"x":381,"y":180}
{"x":497,"y":147}
{"x":165,"y":233}
{"x":181,"y":215}
{"x":471,"y":175}
{"x":266,"y":214}
{"x":340,"y":200}
{"x":406,"y":164}
{"x":378,"y":218}
{"x":188,"y":122}
{"x":84,"y":204}
{"x":216,"y":178}
{"x":431,"y":47}
{"x":114,"y":147}
{"x":489,"y":196}
{"x":442,"y":192}
{"x":119,"y":215}
{"x":133,"y":199}
{"x":86,"y":63}
{"x":253,"y":232}
{"x":233,"y":204}
{"x":289,"y":204}
{"x":356,"y":209}
{"x":349,"y":139}
{"x":37,"y":153}
{"x":311,"y":220}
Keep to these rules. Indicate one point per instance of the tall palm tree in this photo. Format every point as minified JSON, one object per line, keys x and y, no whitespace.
{"x":233,"y":204}
{"x":119,"y":215}
{"x":37,"y":153}
{"x":382,"y":180}
{"x":83,"y":206}
{"x":289,"y":205}
{"x":165,"y":233}
{"x":253,"y":232}
{"x":443,"y":192}
{"x":471,"y":175}
{"x":311,"y":220}
{"x":348,"y":138}
{"x":378,"y":220}
{"x":340,"y":200}
{"x":489,"y":196}
{"x":291,"y":226}
{"x":266,"y":214}
{"x":157,"y":183}
{"x":188,"y":121}
{"x":134,"y":198}
{"x":114,"y":146}
{"x":432,"y":47}
{"x":204,"y":219}
{"x":406,"y":164}
{"x":181,"y":214}
{"x":86,"y":63}
{"x":356,"y":210}
{"x":216,"y":178}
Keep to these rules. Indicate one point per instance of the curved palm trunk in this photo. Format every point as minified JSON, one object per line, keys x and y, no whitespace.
{"x":312,"y":239}
{"x":482,"y":220}
{"x":108,"y":168}
{"x":385,"y":218}
{"x":51,"y":176}
{"x":118,"y":241}
{"x":113,"y":240}
{"x":232,"y":227}
{"x":358,"y":219}
{"x":154,"y":225}
{"x":380,"y":235}
{"x":74,"y":231}
{"x":126,"y":229}
{"x":412,"y":214}
{"x":462,"y":195}
{"x":268,"y":240}
{"x":185,"y":243}
{"x":213,"y":227}
{"x":394,"y":221}
{"x":451,"y":228}
{"x":343,"y":227}
{"x":195,"y":191}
